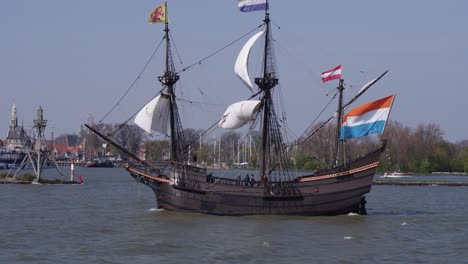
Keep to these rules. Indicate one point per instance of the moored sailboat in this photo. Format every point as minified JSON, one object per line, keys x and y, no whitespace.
{"x":181,"y":186}
{"x":397,"y":173}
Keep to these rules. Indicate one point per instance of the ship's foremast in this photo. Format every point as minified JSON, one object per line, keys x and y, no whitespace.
{"x":169,"y":79}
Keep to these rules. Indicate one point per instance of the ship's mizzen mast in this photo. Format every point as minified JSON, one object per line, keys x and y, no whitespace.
{"x":338,"y":142}
{"x":361,"y":92}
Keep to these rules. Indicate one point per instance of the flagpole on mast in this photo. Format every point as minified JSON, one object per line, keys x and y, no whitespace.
{"x":166,"y":30}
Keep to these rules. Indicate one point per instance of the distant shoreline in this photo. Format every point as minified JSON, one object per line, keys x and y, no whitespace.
{"x":10,"y":180}
{"x":450,"y":173}
{"x":418,"y":183}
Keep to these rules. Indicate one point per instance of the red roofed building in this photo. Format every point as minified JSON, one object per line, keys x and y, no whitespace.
{"x":62,"y":151}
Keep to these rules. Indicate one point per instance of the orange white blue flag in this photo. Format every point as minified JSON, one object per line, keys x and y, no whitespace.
{"x":332,"y":74}
{"x":158,"y":14}
{"x":366,"y":119}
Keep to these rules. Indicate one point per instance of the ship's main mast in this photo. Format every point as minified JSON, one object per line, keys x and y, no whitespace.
{"x":266,"y":83}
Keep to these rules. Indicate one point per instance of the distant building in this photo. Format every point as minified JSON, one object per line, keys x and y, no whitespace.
{"x":16,"y":135}
{"x":66,"y":147}
{"x":62,"y":151}
{"x":67,"y":140}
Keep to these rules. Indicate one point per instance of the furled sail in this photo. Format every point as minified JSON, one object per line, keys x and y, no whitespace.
{"x":154,"y":115}
{"x":364,"y":89}
{"x":239,"y":114}
{"x":241,"y":66}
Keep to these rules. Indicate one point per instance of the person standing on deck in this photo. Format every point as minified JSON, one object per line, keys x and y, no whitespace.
{"x":246,"y":180}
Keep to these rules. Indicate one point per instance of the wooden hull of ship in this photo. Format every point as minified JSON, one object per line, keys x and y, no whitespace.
{"x":328,"y":192}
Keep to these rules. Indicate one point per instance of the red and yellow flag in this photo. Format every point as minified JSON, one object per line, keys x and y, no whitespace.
{"x":158,"y":14}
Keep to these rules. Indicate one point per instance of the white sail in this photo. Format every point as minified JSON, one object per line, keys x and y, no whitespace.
{"x":367,"y":85}
{"x":154,"y":116}
{"x":239,"y":114}
{"x":241,"y":66}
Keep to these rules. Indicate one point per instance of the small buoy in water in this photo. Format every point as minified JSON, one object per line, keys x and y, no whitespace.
{"x":80,"y":180}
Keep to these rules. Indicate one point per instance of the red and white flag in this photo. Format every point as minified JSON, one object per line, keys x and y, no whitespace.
{"x":332,"y":74}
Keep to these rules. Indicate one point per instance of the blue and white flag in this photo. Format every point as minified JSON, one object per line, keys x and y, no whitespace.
{"x":252,"y":5}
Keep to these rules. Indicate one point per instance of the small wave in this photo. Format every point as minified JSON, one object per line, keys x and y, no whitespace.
{"x":348,"y":237}
{"x":156,"y":210}
{"x":353,"y":214}
{"x":404,"y":223}
{"x":265,"y":244}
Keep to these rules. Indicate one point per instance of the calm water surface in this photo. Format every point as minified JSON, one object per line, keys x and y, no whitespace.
{"x":112,"y":219}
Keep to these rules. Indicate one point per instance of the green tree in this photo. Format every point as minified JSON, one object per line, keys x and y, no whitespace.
{"x":157,"y":150}
{"x":465,"y":163}
{"x":202,"y":155}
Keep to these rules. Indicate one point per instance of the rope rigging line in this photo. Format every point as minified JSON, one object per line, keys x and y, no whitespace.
{"x":134,"y":82}
{"x":318,"y":116}
{"x":303,"y":141}
{"x":202,"y":134}
{"x":308,"y":69}
{"x":291,"y":147}
{"x":177,"y":51}
{"x":198,"y":102}
{"x":218,"y":51}
{"x":310,"y":126}
{"x":366,"y":87}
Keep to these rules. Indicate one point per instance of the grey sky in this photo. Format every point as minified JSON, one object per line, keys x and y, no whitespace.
{"x":76,"y":58}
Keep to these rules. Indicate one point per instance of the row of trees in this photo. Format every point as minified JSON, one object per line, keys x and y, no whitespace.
{"x":130,"y":137}
{"x":424,"y":150}
{"x":421,"y":149}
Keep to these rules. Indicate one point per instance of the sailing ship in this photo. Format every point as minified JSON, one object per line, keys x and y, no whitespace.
{"x":398,"y":173}
{"x":183,"y":186}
